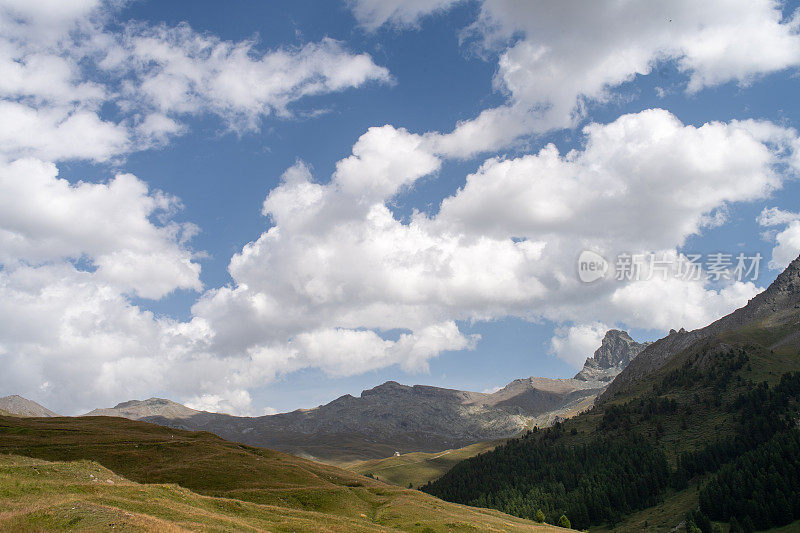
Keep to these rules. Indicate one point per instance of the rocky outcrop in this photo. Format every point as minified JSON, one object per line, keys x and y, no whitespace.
{"x":617,"y":350}
{"x":19,"y":406}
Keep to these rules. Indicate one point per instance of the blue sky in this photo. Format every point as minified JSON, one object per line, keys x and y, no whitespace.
{"x":360,"y":274}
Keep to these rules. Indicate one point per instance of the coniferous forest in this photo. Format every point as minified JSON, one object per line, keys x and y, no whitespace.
{"x":750,"y":478}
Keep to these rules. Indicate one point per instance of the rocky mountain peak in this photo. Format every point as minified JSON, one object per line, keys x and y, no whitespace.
{"x":17,"y":405}
{"x":149,"y":401}
{"x":138,"y":409}
{"x":389,"y":387}
{"x":784,"y":292}
{"x":615,"y":352}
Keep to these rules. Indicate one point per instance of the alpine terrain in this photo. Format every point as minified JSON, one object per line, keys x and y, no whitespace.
{"x":702,"y":426}
{"x":393,"y":418}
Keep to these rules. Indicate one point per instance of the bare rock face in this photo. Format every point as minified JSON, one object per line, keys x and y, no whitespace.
{"x":617,"y":350}
{"x":19,"y":406}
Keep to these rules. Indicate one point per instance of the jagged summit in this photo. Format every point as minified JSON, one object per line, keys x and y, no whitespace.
{"x":19,"y":406}
{"x":614,"y":354}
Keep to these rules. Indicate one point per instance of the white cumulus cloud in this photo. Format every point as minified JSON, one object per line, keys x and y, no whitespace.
{"x":787,"y":240}
{"x":575,"y":343}
{"x":557,"y":59}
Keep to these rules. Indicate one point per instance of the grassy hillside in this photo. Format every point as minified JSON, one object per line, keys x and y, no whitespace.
{"x":696,"y":416}
{"x":289,"y":488}
{"x":417,"y":468}
{"x":42,"y":495}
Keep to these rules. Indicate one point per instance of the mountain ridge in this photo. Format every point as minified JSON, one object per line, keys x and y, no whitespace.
{"x":19,"y":406}
{"x":392,"y":417}
{"x":138,"y":409}
{"x":705,"y":429}
{"x":389,"y":418}
{"x":781,"y":295}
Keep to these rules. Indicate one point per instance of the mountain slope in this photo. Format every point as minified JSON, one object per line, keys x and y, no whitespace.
{"x":139,"y":409}
{"x":99,"y":500}
{"x":782,"y":296}
{"x":19,"y":406}
{"x":675,"y":433}
{"x":322,"y":497}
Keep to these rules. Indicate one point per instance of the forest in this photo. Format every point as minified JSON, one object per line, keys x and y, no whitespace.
{"x":754,"y":482}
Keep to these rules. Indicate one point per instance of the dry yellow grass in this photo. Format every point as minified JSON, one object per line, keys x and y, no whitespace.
{"x":197,"y":481}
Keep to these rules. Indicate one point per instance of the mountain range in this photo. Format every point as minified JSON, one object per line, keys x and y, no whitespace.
{"x":393,"y":418}
{"x":387,"y":419}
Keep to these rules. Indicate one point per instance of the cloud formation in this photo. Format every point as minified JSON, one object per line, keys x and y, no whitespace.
{"x":44,"y":219}
{"x":178,"y":71}
{"x":787,"y":240}
{"x":336,"y":280}
{"x":335,"y":262}
{"x":59,"y":65}
{"x":73,"y":254}
{"x":554,"y":61}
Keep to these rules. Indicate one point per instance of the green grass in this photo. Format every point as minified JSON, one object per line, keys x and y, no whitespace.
{"x":40,"y":495}
{"x":661,"y":518}
{"x":418,"y":468}
{"x":283,"y":492}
